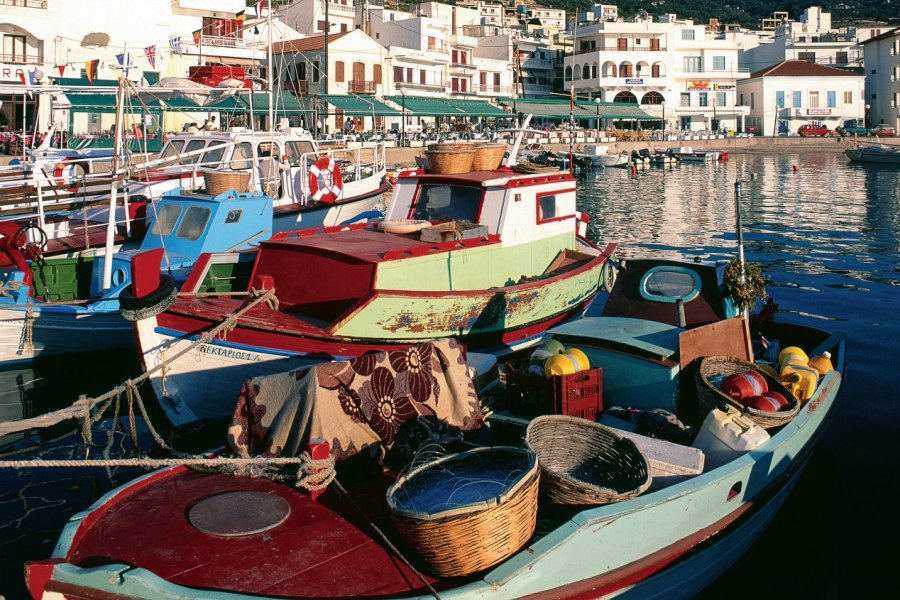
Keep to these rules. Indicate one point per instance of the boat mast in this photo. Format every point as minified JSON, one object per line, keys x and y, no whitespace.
{"x":572,"y":99}
{"x":113,"y":186}
{"x":269,"y":58}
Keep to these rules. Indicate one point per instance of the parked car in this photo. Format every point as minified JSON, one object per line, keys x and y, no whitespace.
{"x":751,"y":130}
{"x":884,"y":130}
{"x":813,"y":130}
{"x":852,"y":127}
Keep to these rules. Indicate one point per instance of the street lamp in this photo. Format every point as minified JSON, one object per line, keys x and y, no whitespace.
{"x":866,"y":116}
{"x":598,"y":101}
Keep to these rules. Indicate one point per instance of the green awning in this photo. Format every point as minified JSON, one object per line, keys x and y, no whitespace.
{"x":282,"y":104}
{"x":477,"y":108}
{"x":359,"y":106}
{"x":559,"y":108}
{"x":427,"y":107}
{"x":83,"y":81}
{"x":617,"y":110}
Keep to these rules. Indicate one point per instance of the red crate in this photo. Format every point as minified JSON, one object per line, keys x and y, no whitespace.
{"x":577,"y":395}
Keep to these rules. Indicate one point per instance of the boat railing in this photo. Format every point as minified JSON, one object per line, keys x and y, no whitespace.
{"x":359,"y":163}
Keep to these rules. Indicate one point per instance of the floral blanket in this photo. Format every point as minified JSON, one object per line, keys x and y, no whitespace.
{"x":355,"y":404}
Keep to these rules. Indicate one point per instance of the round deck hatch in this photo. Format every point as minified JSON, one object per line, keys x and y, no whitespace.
{"x":239,"y":513}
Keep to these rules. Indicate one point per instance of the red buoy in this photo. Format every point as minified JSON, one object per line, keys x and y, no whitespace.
{"x":795,"y":168}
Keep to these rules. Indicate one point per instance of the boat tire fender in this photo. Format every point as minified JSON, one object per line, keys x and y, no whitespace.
{"x":136,"y":309}
{"x":403,"y":225}
{"x":608,"y":276}
{"x":319,"y":187}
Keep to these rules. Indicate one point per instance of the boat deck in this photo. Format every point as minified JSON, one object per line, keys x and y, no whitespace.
{"x":324,"y":548}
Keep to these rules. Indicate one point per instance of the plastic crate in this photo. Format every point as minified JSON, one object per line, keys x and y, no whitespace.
{"x":576,"y":395}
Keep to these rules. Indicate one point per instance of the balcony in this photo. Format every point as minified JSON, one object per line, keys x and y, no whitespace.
{"x":457,"y":65}
{"x":336,"y":7}
{"x":506,"y":90}
{"x":21,"y":59}
{"x":428,"y":87}
{"x":733,"y":73}
{"x":41,"y":4}
{"x":358,"y":86}
{"x":299,"y":87}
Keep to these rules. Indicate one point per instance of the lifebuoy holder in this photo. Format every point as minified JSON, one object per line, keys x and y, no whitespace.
{"x":67,"y":171}
{"x":325,"y":181}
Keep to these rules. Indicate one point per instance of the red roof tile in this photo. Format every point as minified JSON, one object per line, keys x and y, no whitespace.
{"x":801,"y":68}
{"x":305,"y":44}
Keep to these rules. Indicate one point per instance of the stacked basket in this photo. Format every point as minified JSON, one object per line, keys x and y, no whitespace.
{"x":709,"y":396}
{"x":488,"y":156}
{"x":583,"y":462}
{"x":219,"y":182}
{"x":469,"y":511}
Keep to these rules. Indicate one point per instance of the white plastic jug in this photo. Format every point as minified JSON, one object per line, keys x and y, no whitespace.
{"x":725,"y":435}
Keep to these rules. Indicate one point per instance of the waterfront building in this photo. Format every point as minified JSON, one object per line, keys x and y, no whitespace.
{"x":669,"y":66}
{"x":882,"y":67}
{"x":811,"y":38}
{"x":783,"y":97}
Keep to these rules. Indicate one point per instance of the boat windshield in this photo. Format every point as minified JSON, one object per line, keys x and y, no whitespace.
{"x":447,"y":202}
{"x":193,"y":223}
{"x":166,"y":218}
{"x":670,"y":283}
{"x":213,"y":157}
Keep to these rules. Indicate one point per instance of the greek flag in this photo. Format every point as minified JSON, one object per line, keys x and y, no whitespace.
{"x":175,"y":43}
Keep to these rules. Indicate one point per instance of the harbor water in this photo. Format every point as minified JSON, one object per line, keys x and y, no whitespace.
{"x":826,"y":234}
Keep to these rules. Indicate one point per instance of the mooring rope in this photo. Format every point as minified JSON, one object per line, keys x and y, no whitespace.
{"x":81,"y":408}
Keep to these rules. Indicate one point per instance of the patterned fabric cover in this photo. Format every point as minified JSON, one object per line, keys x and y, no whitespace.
{"x":355,"y":404}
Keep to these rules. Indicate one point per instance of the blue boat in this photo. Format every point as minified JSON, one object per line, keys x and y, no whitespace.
{"x":60,"y":306}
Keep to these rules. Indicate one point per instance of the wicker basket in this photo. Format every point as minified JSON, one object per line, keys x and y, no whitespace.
{"x":583,"y":462}
{"x":450,"y":162}
{"x":218,"y":182}
{"x":488,"y":156}
{"x":467,"y":512}
{"x":451,"y":146}
{"x":709,"y":396}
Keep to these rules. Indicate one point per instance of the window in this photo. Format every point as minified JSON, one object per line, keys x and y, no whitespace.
{"x":497,"y":79}
{"x":718,"y":63}
{"x":687,"y":35}
{"x":315,"y":71}
{"x":848,"y":97}
{"x":296,"y":150}
{"x":832,"y":99}
{"x":301,"y":71}
{"x":654,"y":70}
{"x":622,"y":44}
{"x":654,"y":44}
{"x":693,"y":64}
{"x":242,"y":157}
{"x":398,"y":74}
{"x":214,"y":155}
{"x":339,"y":71}
{"x":432,"y":43}
{"x":320,"y":25}
{"x":192,"y":146}
{"x":720,"y":99}
{"x":797,"y":99}
{"x":422,"y":76}
{"x":670,"y":284}
{"x":376,"y":73}
{"x":752,"y":100}
{"x":409,"y":76}
{"x":547,"y":208}
{"x":685,"y":99}
{"x":586,"y":72}
{"x":171,"y":148}
{"x":439,"y":202}
{"x":482,"y":79}
{"x":742,"y":100}
{"x":193,"y":223}
{"x":809,"y":57}
{"x":14,"y":48}
{"x":841,"y":58}
{"x":779,"y":99}
{"x":166,"y":217}
{"x":704,"y":99}
{"x":814,"y":99}
{"x":343,"y":27}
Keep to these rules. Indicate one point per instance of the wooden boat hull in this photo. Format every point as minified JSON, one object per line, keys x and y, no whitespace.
{"x":204,"y":383}
{"x":670,"y":542}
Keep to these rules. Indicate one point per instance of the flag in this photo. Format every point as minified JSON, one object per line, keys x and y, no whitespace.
{"x":259,"y":7}
{"x":220,"y":27}
{"x":255,"y":30}
{"x":240,"y":16}
{"x":150,"y":51}
{"x":175,"y":43}
{"x":120,"y":58}
{"x":197,"y":37}
{"x":62,"y":69}
{"x":90,"y":69}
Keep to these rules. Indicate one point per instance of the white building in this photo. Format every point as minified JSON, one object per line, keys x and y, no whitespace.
{"x":420,"y":54}
{"x":793,"y":93}
{"x":671,"y":67}
{"x":811,"y":39}
{"x":882,"y":69}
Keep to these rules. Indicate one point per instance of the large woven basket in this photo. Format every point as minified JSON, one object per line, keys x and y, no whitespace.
{"x":452,"y":146}
{"x":488,"y":156}
{"x":583,"y":462}
{"x":467,"y":512}
{"x":450,"y":162}
{"x":218,"y":182}
{"x":709,"y":396}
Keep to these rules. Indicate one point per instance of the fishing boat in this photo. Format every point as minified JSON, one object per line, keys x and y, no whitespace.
{"x":874,"y":153}
{"x":65,"y":305}
{"x":687,"y":154}
{"x":492,"y":257}
{"x":664,"y":157}
{"x":189,"y":534}
{"x":599,"y":155}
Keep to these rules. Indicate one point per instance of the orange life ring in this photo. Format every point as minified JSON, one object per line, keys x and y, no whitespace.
{"x":320,"y":189}
{"x":66,"y":172}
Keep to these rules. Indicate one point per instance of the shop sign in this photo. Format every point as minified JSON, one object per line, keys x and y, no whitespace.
{"x":818,"y":111}
{"x":698,"y":85}
{"x":11,"y":73}
{"x":634,"y":81}
{"x":723,"y":86}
